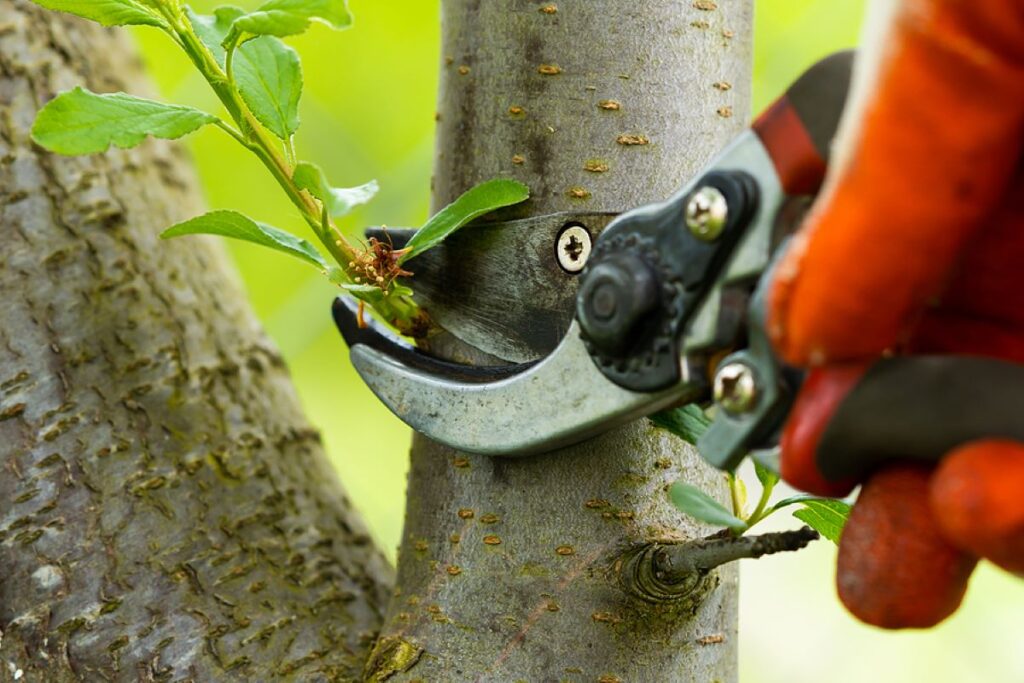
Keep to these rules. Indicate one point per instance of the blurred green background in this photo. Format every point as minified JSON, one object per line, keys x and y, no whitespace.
{"x":368,"y":112}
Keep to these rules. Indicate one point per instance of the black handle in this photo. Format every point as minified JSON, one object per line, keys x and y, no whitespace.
{"x":920,"y":408}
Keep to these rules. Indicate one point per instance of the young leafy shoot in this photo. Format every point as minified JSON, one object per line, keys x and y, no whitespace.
{"x":482,"y":199}
{"x":258,"y":79}
{"x":825,"y":515}
{"x":82,"y":122}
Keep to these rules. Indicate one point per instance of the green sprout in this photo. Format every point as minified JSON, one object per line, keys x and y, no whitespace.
{"x":258,"y":80}
{"x":827,"y":516}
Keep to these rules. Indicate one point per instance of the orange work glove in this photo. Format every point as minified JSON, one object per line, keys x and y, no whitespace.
{"x":915,"y":245}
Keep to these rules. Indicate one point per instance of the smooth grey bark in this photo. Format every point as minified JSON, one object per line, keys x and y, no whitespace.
{"x":511,"y":569}
{"x":166,"y":513}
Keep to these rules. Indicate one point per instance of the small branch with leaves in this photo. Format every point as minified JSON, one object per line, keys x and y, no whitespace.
{"x":827,"y":516}
{"x":258,"y":80}
{"x":669,"y":571}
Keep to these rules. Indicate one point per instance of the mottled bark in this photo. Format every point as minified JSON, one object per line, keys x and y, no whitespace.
{"x":512,"y":569}
{"x":166,"y":513}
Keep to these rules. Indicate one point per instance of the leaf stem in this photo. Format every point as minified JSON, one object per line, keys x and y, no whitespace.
{"x":227,"y":128}
{"x":289,"y":150}
{"x":734,"y":495}
{"x":229,"y":61}
{"x":759,"y":512}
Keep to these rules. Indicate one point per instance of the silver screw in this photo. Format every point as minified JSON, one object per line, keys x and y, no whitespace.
{"x":736,"y":388}
{"x":706,"y":213}
{"x":573,"y":248}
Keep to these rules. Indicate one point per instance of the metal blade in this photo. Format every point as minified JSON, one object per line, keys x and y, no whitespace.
{"x":498,"y":286}
{"x":559,"y":401}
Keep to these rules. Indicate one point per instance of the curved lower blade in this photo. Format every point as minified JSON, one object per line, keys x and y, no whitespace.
{"x":517,"y":411}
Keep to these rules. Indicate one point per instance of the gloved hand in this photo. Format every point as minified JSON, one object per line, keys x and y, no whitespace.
{"x":915,"y":245}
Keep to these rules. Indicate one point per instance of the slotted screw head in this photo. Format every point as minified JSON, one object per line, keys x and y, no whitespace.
{"x":706,"y":213}
{"x":735,"y":388}
{"x":573,"y":248}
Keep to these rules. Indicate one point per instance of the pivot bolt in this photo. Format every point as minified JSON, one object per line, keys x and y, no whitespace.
{"x":735,"y":388}
{"x":616,"y":296}
{"x":706,"y":213}
{"x":573,"y":248}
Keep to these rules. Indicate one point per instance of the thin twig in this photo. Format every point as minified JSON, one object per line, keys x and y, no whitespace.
{"x":673,"y":563}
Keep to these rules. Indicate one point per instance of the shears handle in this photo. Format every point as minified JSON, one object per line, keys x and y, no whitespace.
{"x":796,"y":134}
{"x":911,"y":408}
{"x":797,"y":130}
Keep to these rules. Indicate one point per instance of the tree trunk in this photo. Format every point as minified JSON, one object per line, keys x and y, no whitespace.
{"x":165,"y":511}
{"x":513,"y":569}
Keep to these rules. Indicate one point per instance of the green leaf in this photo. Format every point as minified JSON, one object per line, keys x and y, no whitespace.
{"x":483,"y":198}
{"x":212,"y":29}
{"x":267,"y":72}
{"x":234,"y":224}
{"x":339,"y":201}
{"x":269,"y":78}
{"x":827,"y":516}
{"x":767,"y":477}
{"x":108,"y":12}
{"x":688,"y":422}
{"x":699,"y":505}
{"x":82,"y":122}
{"x":290,"y":17}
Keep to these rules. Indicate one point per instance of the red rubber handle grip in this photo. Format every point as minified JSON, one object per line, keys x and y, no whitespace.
{"x":851,"y":419}
{"x":797,"y":130}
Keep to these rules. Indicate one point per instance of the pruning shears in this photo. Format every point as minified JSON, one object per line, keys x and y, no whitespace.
{"x":670,"y":309}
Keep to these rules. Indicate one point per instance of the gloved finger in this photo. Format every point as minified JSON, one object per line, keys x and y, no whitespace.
{"x":895,"y":568}
{"x":980,"y":313}
{"x":976,"y":497}
{"x":927,"y":145}
{"x":822,"y":392}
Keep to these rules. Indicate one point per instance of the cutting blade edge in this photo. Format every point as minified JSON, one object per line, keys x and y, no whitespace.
{"x":562,"y":400}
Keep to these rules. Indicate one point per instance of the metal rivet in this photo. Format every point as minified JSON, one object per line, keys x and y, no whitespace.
{"x":573,"y":247}
{"x":736,"y":388}
{"x":706,"y":213}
